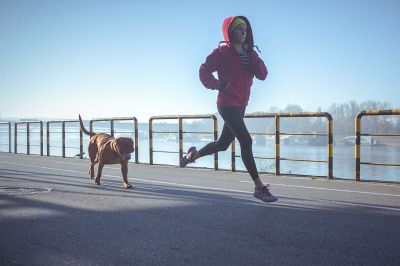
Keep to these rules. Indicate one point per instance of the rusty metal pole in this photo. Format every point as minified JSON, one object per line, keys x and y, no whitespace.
{"x":330,"y":147}
{"x":151,"y":141}
{"x":233,"y":156}
{"x":9,"y":137}
{"x":28,"y":151}
{"x":180,"y":139}
{"x":215,"y":139}
{"x":48,"y":137}
{"x":63,"y":139}
{"x":15,"y":137}
{"x":41,"y":138}
{"x":136,"y":140}
{"x":80,"y":144}
{"x":112,"y":127}
{"x":277,"y":146}
{"x":357,"y":148}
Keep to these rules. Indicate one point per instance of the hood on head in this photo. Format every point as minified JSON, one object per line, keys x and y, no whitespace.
{"x":225,"y":30}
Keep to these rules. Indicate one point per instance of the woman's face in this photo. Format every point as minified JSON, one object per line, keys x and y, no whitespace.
{"x":239,"y":34}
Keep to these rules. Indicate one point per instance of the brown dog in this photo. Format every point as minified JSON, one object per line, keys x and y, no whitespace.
{"x":104,"y":149}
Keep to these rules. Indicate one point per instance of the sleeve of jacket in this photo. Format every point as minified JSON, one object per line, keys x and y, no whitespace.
{"x":259,"y":68}
{"x":206,"y":70}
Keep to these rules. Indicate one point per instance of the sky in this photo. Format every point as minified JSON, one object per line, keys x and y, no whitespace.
{"x":119,"y":58}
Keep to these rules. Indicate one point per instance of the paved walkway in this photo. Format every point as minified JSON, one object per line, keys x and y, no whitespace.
{"x":51,"y":213}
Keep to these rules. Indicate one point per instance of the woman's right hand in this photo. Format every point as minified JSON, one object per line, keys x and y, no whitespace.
{"x":223,"y":86}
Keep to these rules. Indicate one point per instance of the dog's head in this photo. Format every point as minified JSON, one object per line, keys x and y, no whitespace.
{"x":125,"y":146}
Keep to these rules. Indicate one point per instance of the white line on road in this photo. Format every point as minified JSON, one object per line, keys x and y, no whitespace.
{"x":294,"y":186}
{"x":217,"y":189}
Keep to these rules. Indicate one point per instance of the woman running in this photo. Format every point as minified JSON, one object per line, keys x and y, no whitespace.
{"x":236,"y":64}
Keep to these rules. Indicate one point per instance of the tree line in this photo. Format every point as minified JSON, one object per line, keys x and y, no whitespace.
{"x":344,"y":115}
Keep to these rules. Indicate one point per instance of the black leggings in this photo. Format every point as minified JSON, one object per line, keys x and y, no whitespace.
{"x":234,"y":126}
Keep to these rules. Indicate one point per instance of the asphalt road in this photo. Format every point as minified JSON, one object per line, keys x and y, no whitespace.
{"x":51,"y":213}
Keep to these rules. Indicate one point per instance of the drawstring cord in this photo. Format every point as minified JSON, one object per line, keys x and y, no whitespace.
{"x":257,"y":48}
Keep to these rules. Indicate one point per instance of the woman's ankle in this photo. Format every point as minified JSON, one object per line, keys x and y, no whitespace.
{"x":258,"y":183}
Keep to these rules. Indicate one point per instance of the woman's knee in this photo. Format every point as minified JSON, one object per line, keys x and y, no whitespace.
{"x":223,"y":146}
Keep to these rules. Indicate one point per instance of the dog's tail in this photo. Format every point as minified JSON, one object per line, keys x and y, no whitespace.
{"x":91,"y":134}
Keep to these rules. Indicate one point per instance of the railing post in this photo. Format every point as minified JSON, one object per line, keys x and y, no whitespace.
{"x":28,"y":151}
{"x":136,"y":140}
{"x":357,"y":148}
{"x":215,"y":140}
{"x":277,"y":146}
{"x":151,"y":141}
{"x":15,"y":137}
{"x":330,"y":146}
{"x":41,"y":138}
{"x":80,"y":144}
{"x":9,"y":137}
{"x":233,"y":156}
{"x":180,"y":139}
{"x":63,"y":139}
{"x":112,"y":127}
{"x":48,"y":137}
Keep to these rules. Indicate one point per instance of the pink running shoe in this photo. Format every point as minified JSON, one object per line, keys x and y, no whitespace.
{"x":264,"y":194}
{"x":188,"y":158}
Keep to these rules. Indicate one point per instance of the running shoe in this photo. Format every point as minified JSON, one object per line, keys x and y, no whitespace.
{"x":264,"y":194}
{"x":188,"y":158}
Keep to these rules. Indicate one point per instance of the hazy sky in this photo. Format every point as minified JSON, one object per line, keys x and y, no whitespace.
{"x":141,"y":58}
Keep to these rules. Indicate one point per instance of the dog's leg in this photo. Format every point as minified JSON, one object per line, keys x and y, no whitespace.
{"x":93,"y":156}
{"x":91,"y":169}
{"x":97,"y":180}
{"x":124,"y":170}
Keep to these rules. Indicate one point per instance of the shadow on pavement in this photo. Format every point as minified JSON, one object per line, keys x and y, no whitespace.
{"x":166,"y":225}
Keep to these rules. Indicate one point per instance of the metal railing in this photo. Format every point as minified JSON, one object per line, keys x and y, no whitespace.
{"x":28,"y":145}
{"x":277,"y":135}
{"x":63,"y":145}
{"x":112,"y":130}
{"x":357,"y":148}
{"x":181,"y":132}
{"x":8,"y":124}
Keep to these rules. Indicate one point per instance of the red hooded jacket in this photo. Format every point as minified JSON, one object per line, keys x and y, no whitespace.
{"x":226,"y":61}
